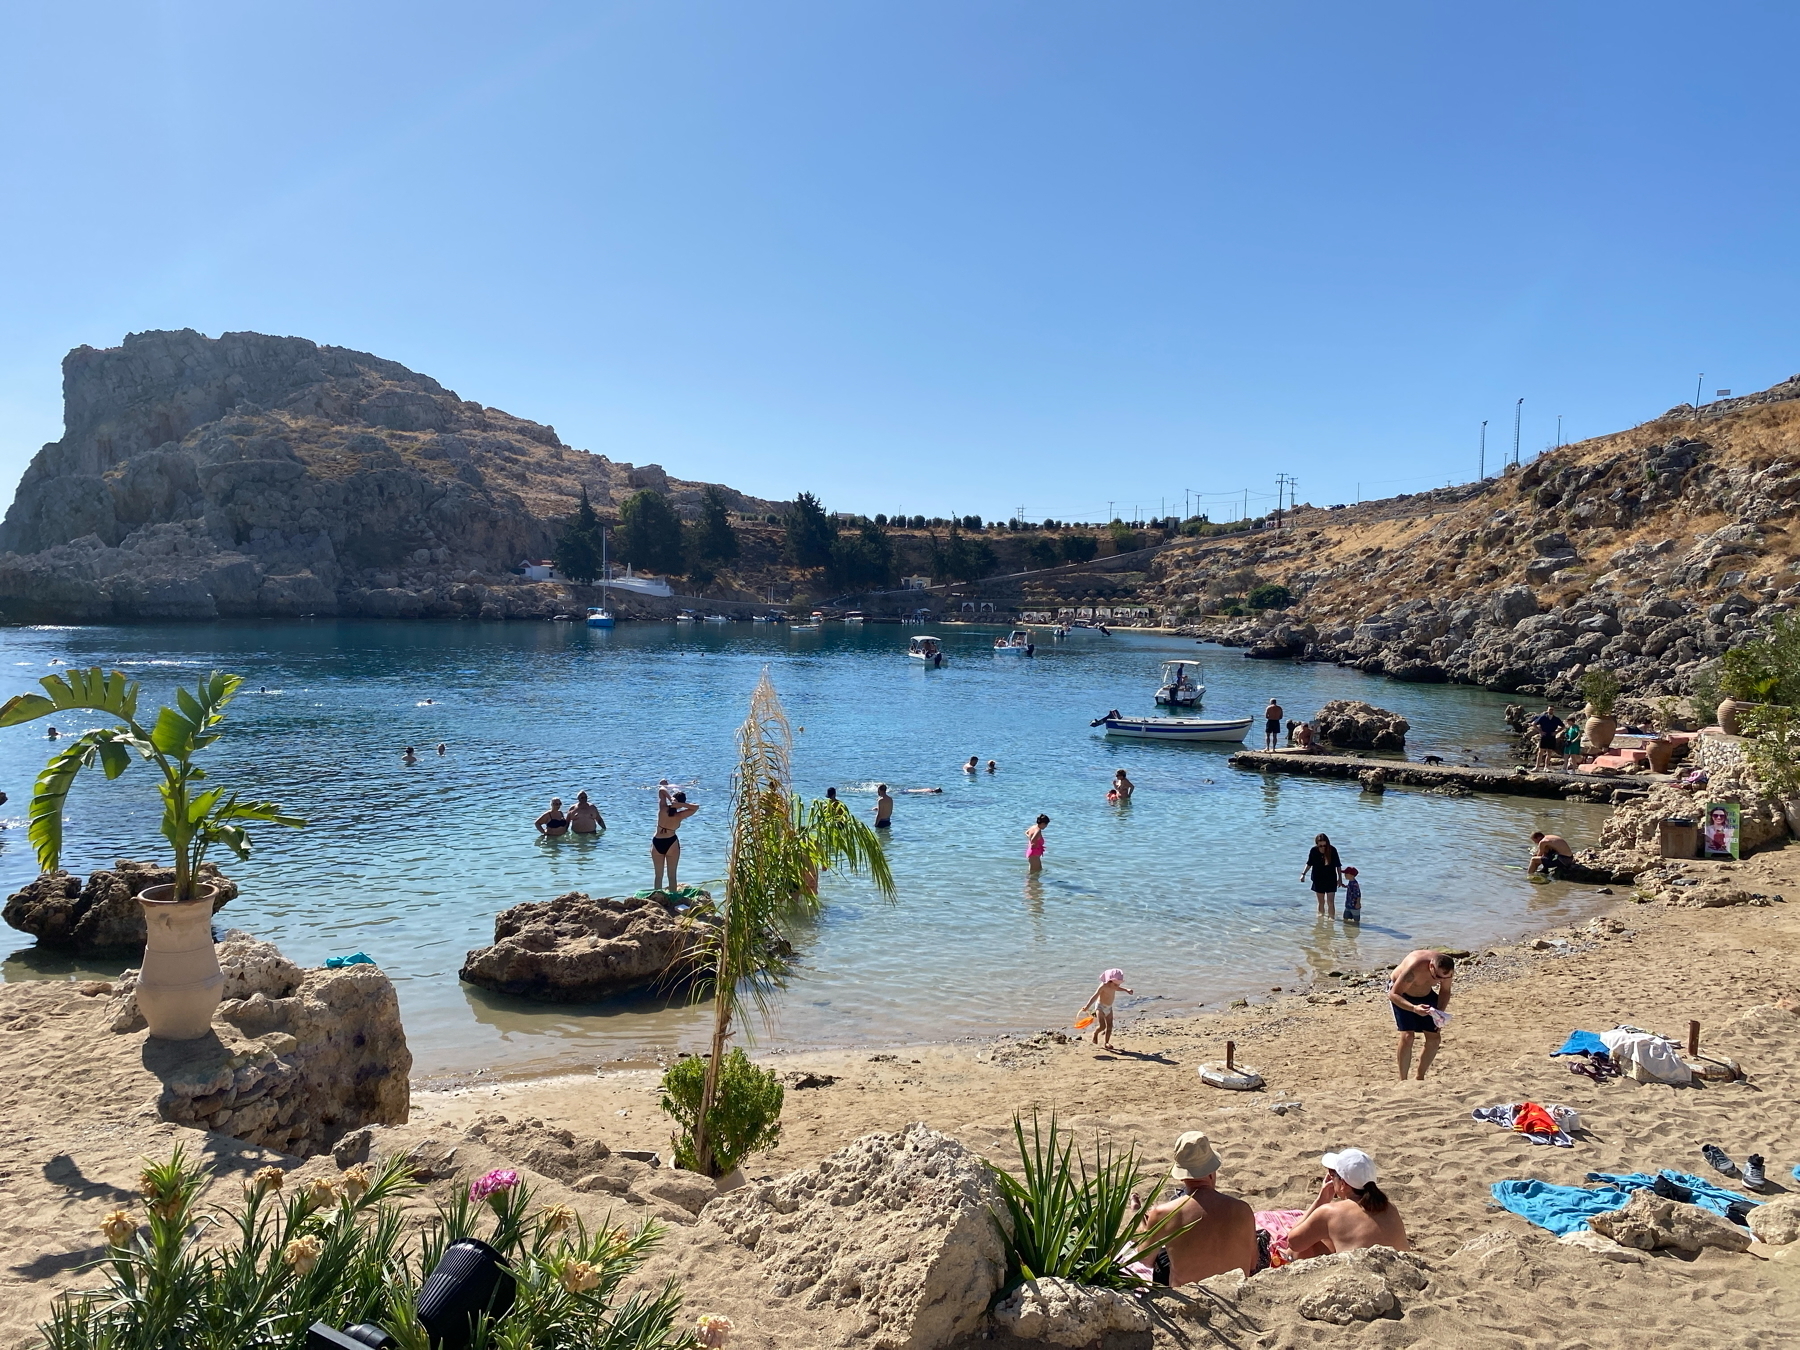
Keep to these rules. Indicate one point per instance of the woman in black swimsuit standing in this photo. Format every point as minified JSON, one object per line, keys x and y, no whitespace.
{"x":553,"y":824}
{"x":1323,"y":863}
{"x":665,"y":846}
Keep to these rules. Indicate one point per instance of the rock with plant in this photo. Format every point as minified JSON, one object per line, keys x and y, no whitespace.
{"x":101,"y":916}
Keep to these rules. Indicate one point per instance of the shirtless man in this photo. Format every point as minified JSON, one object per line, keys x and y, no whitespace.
{"x":1220,"y":1229}
{"x":585,"y":817}
{"x":884,"y":807}
{"x":974,"y":764}
{"x":1350,"y":1212}
{"x":1272,"y":716}
{"x":1421,"y":982}
{"x":1549,"y":853}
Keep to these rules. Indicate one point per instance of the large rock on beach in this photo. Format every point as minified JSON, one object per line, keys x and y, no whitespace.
{"x":575,"y":949}
{"x":298,"y":1057}
{"x":1355,"y":725}
{"x":895,"y":1231}
{"x":1341,"y":1288}
{"x":1650,"y":1223}
{"x":1776,"y":1222}
{"x":1630,"y":838}
{"x":1061,"y":1312}
{"x":99,"y":917}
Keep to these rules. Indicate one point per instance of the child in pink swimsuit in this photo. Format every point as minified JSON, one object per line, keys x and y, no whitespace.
{"x":1034,"y":843}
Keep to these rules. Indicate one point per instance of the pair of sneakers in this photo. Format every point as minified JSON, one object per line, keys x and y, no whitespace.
{"x":1753,"y":1175}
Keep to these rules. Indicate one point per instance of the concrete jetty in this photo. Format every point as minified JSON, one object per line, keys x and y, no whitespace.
{"x":1407,"y":773}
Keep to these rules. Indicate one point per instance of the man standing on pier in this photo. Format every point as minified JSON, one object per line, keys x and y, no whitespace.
{"x":1272,"y":716}
{"x":1546,"y":724}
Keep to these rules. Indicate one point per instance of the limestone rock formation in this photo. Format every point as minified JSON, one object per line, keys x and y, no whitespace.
{"x":1649,"y":1223}
{"x":298,"y":1059}
{"x":1352,"y":724}
{"x":894,"y":1230}
{"x":200,"y":478}
{"x":1341,"y":1288}
{"x":576,"y":949}
{"x":100,"y":917}
{"x":1630,"y":837}
{"x":1061,"y":1312}
{"x":1777,"y":1222}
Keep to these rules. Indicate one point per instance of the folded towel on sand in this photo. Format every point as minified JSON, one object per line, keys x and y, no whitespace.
{"x":1567,"y":1209}
{"x":1581,"y":1043}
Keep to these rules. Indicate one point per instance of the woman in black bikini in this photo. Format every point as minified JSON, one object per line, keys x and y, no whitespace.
{"x":665,"y":846}
{"x":1323,"y":863}
{"x":553,"y":824}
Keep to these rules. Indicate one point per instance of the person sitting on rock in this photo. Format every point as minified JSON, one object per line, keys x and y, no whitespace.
{"x":1551,"y":854}
{"x":1350,"y":1211}
{"x":1303,"y":737}
{"x":1205,"y":1232}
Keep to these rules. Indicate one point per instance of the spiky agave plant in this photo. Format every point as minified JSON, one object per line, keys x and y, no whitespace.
{"x":194,"y":818}
{"x":779,"y":846}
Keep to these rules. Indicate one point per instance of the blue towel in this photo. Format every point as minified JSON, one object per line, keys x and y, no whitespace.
{"x":1581,"y":1043}
{"x":354,"y":959}
{"x":1561,"y":1209}
{"x":1706,"y":1195}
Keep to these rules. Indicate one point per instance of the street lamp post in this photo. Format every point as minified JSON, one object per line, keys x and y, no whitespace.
{"x":1481,"y":463}
{"x":1516,"y":413}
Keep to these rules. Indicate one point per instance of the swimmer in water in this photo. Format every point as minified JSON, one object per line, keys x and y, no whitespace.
{"x":884,"y":807}
{"x":553,"y":824}
{"x":831,"y":794}
{"x":1122,"y":787}
{"x":585,"y":817}
{"x":925,"y":791}
{"x":974,"y":764}
{"x":52,"y":734}
{"x":665,"y":845}
{"x":993,"y":767}
{"x":440,"y":747}
{"x":410,"y":757}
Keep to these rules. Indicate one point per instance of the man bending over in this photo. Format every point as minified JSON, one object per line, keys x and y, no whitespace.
{"x":1421,"y":985}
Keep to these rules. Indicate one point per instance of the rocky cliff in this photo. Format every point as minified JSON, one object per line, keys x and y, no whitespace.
{"x":1647,"y":552}
{"x":205,"y":477}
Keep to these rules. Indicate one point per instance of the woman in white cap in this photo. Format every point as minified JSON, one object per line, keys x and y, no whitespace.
{"x":1350,"y":1212}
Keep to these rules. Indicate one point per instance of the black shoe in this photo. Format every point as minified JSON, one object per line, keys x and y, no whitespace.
{"x":1720,"y":1163}
{"x":1753,"y":1172}
{"x":1672,"y":1190}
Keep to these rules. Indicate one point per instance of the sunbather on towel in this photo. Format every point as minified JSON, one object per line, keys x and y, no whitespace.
{"x":1351,"y":1211}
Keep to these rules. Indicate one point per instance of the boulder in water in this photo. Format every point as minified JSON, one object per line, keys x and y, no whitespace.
{"x":101,"y":917}
{"x":576,"y":949}
{"x":1353,"y":724}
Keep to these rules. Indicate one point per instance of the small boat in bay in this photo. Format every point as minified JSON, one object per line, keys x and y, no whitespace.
{"x":927,"y":649}
{"x":1179,"y":689}
{"x":1016,"y":643}
{"x":1174,"y":728}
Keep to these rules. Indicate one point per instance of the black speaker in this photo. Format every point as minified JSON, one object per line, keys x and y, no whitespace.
{"x":362,"y":1336}
{"x":471,"y":1278}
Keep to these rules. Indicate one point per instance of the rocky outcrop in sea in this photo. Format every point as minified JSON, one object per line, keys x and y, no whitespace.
{"x":102,"y":916}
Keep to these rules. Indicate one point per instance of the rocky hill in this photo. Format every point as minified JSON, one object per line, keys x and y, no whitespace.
{"x":251,"y":475}
{"x":1647,"y":552}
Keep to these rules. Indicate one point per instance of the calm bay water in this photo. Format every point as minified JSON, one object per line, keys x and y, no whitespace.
{"x":1193,"y":888}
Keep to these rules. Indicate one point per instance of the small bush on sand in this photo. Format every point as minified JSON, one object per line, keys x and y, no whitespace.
{"x":746,"y":1114}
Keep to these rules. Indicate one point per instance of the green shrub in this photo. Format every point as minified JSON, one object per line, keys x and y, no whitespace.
{"x":1600,"y":688}
{"x":1269,"y":595}
{"x":1077,"y":548}
{"x":746,"y":1114}
{"x":1067,"y":1220}
{"x":337,"y":1251}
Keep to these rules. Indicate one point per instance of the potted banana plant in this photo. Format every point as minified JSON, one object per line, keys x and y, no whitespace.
{"x":179,"y":985}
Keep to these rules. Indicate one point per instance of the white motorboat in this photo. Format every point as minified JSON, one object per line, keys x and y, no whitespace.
{"x":1179,"y":689}
{"x":927,"y":649}
{"x":717,"y":618}
{"x":686,"y":616}
{"x":854,"y":616}
{"x":804,"y":627}
{"x":1016,"y":643}
{"x":1175,"y":728}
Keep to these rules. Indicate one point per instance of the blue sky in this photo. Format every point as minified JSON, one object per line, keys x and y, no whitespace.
{"x":932,"y":256}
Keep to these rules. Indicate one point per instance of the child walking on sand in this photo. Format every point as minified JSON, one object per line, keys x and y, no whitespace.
{"x":1112,"y":984}
{"x":1352,"y":897}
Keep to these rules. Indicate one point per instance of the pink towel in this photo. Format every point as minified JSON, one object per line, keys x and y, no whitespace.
{"x":1278,"y":1223}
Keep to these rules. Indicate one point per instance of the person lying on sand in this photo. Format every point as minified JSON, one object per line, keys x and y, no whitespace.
{"x":1420,"y":985}
{"x":1350,"y":1212}
{"x":1205,"y":1232}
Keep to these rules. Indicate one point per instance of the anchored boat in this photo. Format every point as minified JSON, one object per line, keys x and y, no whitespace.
{"x":1179,"y":689}
{"x":1016,"y":643}
{"x":1174,"y":728}
{"x":927,"y":649}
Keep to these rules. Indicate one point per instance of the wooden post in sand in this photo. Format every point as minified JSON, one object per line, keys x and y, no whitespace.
{"x":1231,"y":1053}
{"x":1693,"y":1038}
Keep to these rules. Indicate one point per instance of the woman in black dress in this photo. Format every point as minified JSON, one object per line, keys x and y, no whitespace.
{"x":1323,"y":863}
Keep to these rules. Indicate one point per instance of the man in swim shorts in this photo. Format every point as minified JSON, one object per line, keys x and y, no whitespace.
{"x":1421,"y":983}
{"x":884,"y":807}
{"x":585,"y":817}
{"x":1550,"y":854}
{"x":1272,"y":716}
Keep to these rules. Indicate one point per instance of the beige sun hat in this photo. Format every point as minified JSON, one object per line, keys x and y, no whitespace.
{"x":1195,"y":1157}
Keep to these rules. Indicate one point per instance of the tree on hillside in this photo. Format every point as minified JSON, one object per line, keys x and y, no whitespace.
{"x":1043,"y":552}
{"x":577,"y":552}
{"x":712,"y":540}
{"x":862,"y":560}
{"x":810,"y":532}
{"x":962,"y":558}
{"x":1078,"y":548}
{"x":649,"y":532}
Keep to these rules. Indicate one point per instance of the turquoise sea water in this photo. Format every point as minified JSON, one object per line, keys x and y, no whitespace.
{"x":1193,"y":888}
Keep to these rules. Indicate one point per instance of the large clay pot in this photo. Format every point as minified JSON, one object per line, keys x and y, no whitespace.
{"x":1661,"y":751}
{"x":1599,"y":732}
{"x":179,"y":987}
{"x":1728,"y":716}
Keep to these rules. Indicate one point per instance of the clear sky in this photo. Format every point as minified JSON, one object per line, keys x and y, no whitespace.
{"x":932,"y":257}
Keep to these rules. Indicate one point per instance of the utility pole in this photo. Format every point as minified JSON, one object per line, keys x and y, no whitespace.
{"x":1698,"y":380}
{"x":1516,"y":409}
{"x":1109,"y":513}
{"x":1559,"y":431}
{"x":1282,"y":480}
{"x":1481,"y":464}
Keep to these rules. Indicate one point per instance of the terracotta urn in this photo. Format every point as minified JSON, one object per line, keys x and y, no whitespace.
{"x":1599,"y":732}
{"x":1662,"y":751}
{"x":179,"y":986}
{"x":1728,"y":716}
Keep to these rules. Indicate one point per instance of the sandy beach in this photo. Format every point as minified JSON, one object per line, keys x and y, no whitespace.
{"x":79,"y":1125}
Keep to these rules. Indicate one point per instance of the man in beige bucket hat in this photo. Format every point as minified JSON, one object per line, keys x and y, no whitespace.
{"x":1205,"y":1232}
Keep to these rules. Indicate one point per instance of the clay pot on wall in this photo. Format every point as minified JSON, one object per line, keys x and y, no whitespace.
{"x":1662,"y":751}
{"x":1728,"y":716}
{"x":1599,"y":732}
{"x":179,"y":986}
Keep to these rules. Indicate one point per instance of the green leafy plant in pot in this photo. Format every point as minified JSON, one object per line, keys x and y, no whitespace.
{"x":1601,"y":690}
{"x":179,"y":985}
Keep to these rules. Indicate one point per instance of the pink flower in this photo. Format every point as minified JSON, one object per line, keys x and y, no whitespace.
{"x":500,"y":1179}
